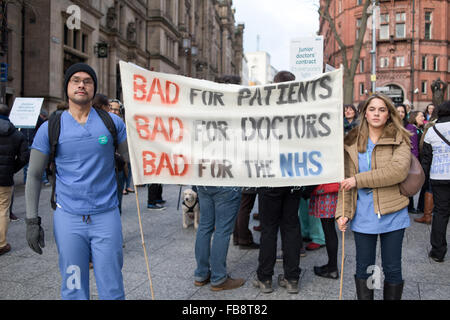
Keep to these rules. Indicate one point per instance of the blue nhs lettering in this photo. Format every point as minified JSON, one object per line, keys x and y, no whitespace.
{"x":298,"y":164}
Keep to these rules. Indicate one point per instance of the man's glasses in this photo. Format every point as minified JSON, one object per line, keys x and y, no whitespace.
{"x":86,"y":82}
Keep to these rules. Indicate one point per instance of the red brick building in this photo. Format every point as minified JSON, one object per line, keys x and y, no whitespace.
{"x":413,"y":47}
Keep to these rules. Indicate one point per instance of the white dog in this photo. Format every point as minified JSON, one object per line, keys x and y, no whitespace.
{"x":191,"y":208}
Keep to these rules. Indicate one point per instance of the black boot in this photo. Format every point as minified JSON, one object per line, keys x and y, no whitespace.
{"x":362,"y":291}
{"x":393,"y":291}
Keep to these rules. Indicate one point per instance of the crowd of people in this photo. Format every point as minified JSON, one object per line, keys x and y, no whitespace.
{"x":83,"y":145}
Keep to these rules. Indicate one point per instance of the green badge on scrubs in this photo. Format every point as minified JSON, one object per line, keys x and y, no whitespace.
{"x":103,"y":139}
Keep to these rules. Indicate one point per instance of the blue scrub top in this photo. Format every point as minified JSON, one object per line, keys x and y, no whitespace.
{"x":85,"y":178}
{"x":365,"y":219}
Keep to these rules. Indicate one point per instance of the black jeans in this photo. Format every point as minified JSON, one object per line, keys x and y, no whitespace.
{"x":331,"y":241}
{"x":441,"y":213}
{"x":241,"y":233}
{"x":154,"y":193}
{"x":279,"y":210}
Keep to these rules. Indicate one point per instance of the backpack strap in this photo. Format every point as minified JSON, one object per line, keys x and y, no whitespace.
{"x":440,"y":135}
{"x":54,"y":129}
{"x":111,"y":126}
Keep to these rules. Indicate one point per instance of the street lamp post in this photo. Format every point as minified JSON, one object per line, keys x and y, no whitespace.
{"x":373,"y":76}
{"x":186,"y":43}
{"x":4,"y":48}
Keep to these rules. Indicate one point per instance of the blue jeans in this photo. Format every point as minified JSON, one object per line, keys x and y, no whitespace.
{"x":127,"y":182}
{"x":219,"y":208}
{"x":391,"y":254}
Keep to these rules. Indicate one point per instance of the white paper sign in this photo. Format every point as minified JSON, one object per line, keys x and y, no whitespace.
{"x":329,"y":68}
{"x":306,"y":57}
{"x":188,"y":131}
{"x":25,"y":112}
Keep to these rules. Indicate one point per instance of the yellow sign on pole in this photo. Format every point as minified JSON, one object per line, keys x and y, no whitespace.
{"x":373,"y":77}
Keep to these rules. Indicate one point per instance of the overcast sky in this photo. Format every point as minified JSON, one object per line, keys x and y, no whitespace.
{"x":276,"y":22}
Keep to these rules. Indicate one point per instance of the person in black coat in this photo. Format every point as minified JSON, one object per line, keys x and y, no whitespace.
{"x":14,"y":154}
{"x":278,"y":208}
{"x":436,"y":165}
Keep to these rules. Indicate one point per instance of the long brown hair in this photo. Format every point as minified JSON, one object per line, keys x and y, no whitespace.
{"x":393,"y":120}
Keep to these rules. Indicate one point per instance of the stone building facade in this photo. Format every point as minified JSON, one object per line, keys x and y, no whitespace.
{"x":196,"y":38}
{"x":412,"y":47}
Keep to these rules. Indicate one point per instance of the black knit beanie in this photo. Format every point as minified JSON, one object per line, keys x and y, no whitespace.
{"x":78,"y":67}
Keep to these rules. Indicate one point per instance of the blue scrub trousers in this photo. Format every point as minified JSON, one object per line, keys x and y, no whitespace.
{"x":80,"y":237}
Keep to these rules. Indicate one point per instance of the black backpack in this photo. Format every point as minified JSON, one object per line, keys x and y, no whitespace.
{"x":54,"y":129}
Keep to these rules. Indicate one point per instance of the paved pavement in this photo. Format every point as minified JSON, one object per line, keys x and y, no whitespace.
{"x":26,"y":275}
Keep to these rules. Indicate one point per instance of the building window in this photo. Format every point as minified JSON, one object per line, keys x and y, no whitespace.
{"x":384,"y":62}
{"x":400,"y":26}
{"x":84,"y":42}
{"x":384,"y":31}
{"x":76,"y":34}
{"x":448,"y":64}
{"x":66,"y":35}
{"x":122,"y":28}
{"x":384,"y":26}
{"x":424,"y":87}
{"x":427,"y":25}
{"x":400,"y":61}
{"x":361,"y":88}
{"x":168,"y":10}
{"x":384,"y":18}
{"x":340,"y":6}
{"x":361,"y":66}
{"x":359,"y":2}
{"x":400,"y":17}
{"x":435,"y":63}
{"x":448,"y":89}
{"x":76,"y":45}
{"x":358,"y":26}
{"x":424,"y":62}
{"x":76,"y":39}
{"x":400,"y":30}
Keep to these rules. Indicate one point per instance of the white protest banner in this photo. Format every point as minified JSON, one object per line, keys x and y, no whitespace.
{"x":188,"y":131}
{"x":25,"y":111}
{"x":306,"y":57}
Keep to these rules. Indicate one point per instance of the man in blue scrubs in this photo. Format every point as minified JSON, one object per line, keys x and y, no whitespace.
{"x":86,"y":221}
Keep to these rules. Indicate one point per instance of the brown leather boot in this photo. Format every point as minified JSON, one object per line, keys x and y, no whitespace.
{"x":427,"y":209}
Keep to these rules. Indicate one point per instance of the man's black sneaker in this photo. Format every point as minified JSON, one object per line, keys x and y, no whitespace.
{"x":264,"y":286}
{"x":290,"y":285}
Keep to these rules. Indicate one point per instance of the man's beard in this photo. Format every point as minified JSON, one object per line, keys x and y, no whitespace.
{"x":80,"y":100}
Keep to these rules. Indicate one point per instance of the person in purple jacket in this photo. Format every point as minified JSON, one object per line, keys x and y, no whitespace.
{"x":401,"y":109}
